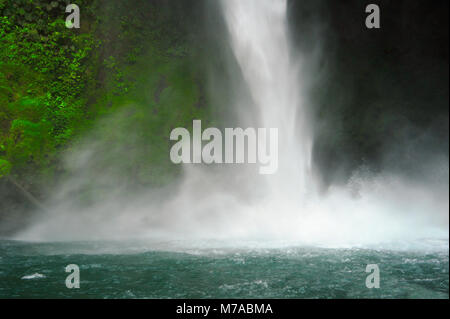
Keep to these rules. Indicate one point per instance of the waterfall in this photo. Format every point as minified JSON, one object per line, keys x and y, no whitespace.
{"x":230,"y":202}
{"x":259,"y":38}
{"x":292,"y":208}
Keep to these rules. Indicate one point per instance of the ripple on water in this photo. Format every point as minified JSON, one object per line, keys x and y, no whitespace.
{"x":33,"y":276}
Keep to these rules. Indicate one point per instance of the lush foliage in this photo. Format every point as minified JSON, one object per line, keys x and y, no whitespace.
{"x":126,"y":77}
{"x":43,"y":68}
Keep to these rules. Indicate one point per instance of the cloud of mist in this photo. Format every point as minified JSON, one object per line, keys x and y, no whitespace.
{"x":393,"y":204}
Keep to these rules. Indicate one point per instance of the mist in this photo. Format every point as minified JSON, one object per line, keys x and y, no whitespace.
{"x":325,"y":193}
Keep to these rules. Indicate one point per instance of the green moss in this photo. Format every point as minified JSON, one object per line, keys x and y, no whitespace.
{"x":125,"y":79}
{"x":5,"y":167}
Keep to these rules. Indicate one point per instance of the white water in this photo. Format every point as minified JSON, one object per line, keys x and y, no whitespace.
{"x":33,"y":276}
{"x":259,"y":38}
{"x":232,"y":204}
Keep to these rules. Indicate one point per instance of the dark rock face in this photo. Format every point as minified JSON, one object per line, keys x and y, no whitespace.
{"x":377,"y":90}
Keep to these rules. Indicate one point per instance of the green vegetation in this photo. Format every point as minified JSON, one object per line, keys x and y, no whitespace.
{"x":125,"y":79}
{"x":43,"y":68}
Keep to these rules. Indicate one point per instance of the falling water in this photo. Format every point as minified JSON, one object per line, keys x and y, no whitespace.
{"x":259,"y":38}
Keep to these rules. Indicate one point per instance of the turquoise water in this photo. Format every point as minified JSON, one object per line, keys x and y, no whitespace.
{"x":136,"y":270}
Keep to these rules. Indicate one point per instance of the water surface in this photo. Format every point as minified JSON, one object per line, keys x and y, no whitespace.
{"x":136,"y":270}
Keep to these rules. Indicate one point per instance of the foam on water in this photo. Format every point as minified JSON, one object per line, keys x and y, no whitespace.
{"x":33,"y":276}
